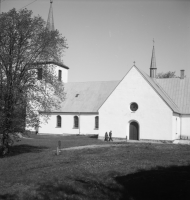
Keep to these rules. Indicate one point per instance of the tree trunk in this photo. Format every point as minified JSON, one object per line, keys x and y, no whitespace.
{"x":7,"y":128}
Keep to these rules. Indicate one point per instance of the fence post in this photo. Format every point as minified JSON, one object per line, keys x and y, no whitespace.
{"x":57,"y":151}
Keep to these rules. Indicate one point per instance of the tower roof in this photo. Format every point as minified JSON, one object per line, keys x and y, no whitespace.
{"x":50,"y":21}
{"x":153,"y":59}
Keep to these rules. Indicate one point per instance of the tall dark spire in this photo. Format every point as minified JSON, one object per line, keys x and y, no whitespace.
{"x":153,"y":63}
{"x":50,"y":22}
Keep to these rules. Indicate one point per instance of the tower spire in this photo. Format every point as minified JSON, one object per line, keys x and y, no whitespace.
{"x":153,"y":63}
{"x":0,"y":6}
{"x":50,"y":21}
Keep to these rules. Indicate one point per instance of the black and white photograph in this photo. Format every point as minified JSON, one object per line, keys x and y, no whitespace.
{"x":94,"y":99}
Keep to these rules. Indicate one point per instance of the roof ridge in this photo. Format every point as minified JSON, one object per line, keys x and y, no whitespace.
{"x":161,"y":93}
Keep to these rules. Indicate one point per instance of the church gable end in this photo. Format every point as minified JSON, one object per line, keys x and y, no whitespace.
{"x":134,"y":88}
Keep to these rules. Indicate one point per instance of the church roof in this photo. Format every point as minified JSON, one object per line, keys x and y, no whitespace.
{"x":89,"y":96}
{"x":52,"y":62}
{"x":86,"y":96}
{"x":178,"y":90}
{"x":168,"y":100}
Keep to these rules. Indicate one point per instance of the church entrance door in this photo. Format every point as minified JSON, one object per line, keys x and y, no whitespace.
{"x":134,"y":131}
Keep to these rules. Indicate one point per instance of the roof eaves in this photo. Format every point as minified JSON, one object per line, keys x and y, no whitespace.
{"x":52,"y":62}
{"x":161,"y":93}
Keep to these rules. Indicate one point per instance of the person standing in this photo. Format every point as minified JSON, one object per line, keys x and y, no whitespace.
{"x":110,"y":136}
{"x":106,"y":137}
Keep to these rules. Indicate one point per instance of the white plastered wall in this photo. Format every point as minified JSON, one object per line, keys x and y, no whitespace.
{"x":64,"y":73}
{"x":154,"y":116}
{"x":64,"y":79}
{"x":86,"y":124}
{"x":176,"y":126}
{"x":185,"y":126}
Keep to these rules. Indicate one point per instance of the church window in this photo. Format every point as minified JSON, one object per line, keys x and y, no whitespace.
{"x":96,"y":122}
{"x":60,"y":75}
{"x":76,"y":122}
{"x":39,"y":73}
{"x":58,"y":121}
{"x":134,"y":106}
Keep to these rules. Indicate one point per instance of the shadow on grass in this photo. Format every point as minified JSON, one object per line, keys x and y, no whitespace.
{"x":9,"y":197}
{"x":160,"y":183}
{"x":54,"y":190}
{"x":23,"y":148}
{"x":47,"y":191}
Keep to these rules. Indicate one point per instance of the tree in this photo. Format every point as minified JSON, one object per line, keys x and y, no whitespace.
{"x":166,"y":75}
{"x":25,"y":42}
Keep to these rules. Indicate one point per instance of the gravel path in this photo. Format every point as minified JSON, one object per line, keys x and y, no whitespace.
{"x":92,"y":146}
{"x":108,"y":144}
{"x":115,"y":143}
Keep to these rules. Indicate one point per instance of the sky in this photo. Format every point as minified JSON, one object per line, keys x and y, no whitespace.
{"x":105,"y":37}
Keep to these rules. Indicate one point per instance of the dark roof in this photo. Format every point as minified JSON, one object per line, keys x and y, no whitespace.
{"x":52,"y":62}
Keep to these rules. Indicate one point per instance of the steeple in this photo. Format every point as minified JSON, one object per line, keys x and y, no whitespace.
{"x":50,"y":22}
{"x":153,"y":63}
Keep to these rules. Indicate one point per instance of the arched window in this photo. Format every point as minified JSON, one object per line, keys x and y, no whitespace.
{"x":58,"y":121}
{"x":96,"y":122}
{"x":59,"y":75}
{"x":76,"y":122}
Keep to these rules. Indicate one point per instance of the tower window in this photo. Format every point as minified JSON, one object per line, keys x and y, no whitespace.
{"x":59,"y":75}
{"x":96,"y":122}
{"x":76,"y":122}
{"x":39,"y":73}
{"x":58,"y":121}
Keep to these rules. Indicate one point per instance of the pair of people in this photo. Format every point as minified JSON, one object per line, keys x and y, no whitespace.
{"x":108,"y":138}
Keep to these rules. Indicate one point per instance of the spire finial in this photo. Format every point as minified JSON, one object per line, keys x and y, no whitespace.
{"x":153,"y":41}
{"x":134,"y":63}
{"x":50,"y":21}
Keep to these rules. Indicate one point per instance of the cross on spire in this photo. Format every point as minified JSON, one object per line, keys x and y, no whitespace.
{"x":50,"y":21}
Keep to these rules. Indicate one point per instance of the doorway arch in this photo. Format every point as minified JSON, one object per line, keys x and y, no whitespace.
{"x":134,"y":131}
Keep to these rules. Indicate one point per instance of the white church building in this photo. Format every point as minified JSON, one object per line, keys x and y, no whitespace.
{"x":138,"y":107}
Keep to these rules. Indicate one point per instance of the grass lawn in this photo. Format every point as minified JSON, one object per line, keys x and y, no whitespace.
{"x":132,"y":171}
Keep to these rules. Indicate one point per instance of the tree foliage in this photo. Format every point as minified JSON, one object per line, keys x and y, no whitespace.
{"x":25,"y":42}
{"x":166,"y":75}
